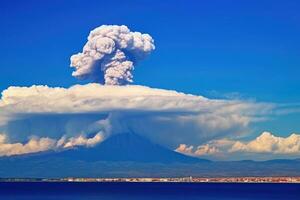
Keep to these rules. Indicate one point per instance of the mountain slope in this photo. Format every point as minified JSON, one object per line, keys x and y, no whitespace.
{"x":130,"y":155}
{"x":128,"y":147}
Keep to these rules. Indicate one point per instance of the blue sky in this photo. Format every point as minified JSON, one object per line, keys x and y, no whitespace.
{"x":213,"y":48}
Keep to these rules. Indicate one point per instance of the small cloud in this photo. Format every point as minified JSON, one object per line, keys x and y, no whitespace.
{"x":206,"y":150}
{"x":183,"y":148}
{"x":80,"y":141}
{"x":228,"y":95}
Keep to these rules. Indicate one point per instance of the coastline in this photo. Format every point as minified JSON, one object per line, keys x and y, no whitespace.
{"x":288,"y":180}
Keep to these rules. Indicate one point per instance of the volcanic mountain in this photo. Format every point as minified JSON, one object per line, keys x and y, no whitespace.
{"x":128,"y":147}
{"x":131,"y":155}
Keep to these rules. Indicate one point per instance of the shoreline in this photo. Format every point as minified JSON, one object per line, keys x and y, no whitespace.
{"x":160,"y":180}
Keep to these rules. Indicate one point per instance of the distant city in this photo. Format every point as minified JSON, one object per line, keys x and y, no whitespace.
{"x":178,"y":179}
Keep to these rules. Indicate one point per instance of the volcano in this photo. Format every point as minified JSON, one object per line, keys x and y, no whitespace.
{"x":126,"y":154}
{"x":131,"y":155}
{"x":128,"y":147}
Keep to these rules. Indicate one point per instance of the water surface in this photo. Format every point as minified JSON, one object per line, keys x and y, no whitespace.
{"x":157,"y":191}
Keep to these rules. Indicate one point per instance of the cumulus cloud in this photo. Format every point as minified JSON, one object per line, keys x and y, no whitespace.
{"x":110,"y":54}
{"x":266,"y":143}
{"x":200,"y":150}
{"x":183,"y":148}
{"x":164,"y":116}
{"x":79,"y":141}
{"x":35,"y":144}
{"x":206,"y":149}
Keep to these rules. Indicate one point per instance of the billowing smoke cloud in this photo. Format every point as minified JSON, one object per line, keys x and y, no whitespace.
{"x":110,"y":54}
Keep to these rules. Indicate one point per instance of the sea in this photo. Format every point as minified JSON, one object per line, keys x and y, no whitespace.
{"x":141,"y":191}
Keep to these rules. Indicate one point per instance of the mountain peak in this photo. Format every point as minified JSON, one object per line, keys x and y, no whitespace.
{"x":129,"y":146}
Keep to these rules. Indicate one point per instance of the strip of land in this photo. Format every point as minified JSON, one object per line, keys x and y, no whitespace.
{"x":178,"y":179}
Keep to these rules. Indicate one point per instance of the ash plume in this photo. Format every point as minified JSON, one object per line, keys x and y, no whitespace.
{"x":110,"y":54}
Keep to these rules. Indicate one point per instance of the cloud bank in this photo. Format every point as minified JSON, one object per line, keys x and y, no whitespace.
{"x":110,"y":54}
{"x":35,"y":144}
{"x":164,"y":116}
{"x":266,"y":143}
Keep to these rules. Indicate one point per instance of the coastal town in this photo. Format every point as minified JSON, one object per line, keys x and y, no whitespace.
{"x":178,"y":179}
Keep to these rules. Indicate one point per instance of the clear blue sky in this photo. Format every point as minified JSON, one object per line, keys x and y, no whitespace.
{"x":212,"y":48}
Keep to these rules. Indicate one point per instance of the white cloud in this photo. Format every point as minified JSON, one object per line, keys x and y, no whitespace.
{"x":206,"y":150}
{"x":164,"y":116}
{"x":266,"y":144}
{"x":35,"y":144}
{"x":80,"y":141}
{"x":183,"y":148}
{"x":100,"y":98}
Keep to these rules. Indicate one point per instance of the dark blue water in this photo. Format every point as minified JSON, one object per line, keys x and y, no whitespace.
{"x":157,"y":191}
